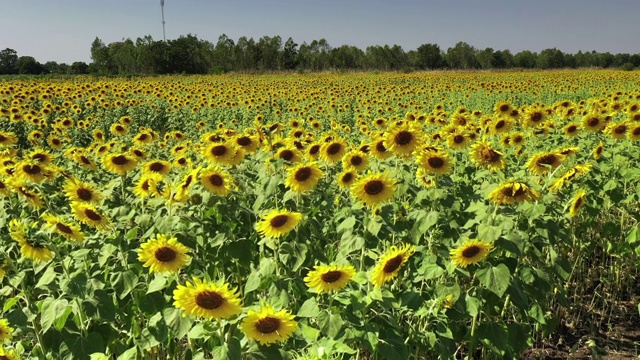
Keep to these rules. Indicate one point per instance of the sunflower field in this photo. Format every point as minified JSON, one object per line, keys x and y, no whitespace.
{"x":371,"y":216}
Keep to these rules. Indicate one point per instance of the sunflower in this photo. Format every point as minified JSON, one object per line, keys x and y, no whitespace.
{"x":31,"y":196}
{"x":593,"y":123}
{"x":216,"y":180}
{"x":577,"y":203}
{"x":434,"y":162}
{"x":35,"y":250}
{"x":80,"y":191}
{"x":457,"y":140}
{"x":163,"y":255}
{"x":276,"y":223}
{"x":302,"y":178}
{"x":119,"y":163}
{"x":634,"y":132}
{"x":333,"y":151}
{"x":617,"y":130}
{"x":542,"y":162}
{"x":68,"y":231}
{"x":248,"y":143}
{"x":84,"y":161}
{"x":118,"y":129}
{"x":373,"y":189}
{"x":182,"y":189}
{"x":35,"y":137}
{"x":312,"y":152}
{"x":402,"y":140}
{"x":598,"y":150}
{"x":355,"y":160}
{"x":89,"y":215}
{"x":7,"y":139}
{"x":289,"y":154}
{"x":390,"y":263}
{"x":268,"y":326}
{"x":534,"y":117}
{"x":471,"y":251}
{"x":346,"y":178}
{"x":512,"y":192}
{"x":54,"y":142}
{"x":207,"y":300}
{"x":157,"y":166}
{"x":503,"y":109}
{"x":142,"y":138}
{"x":484,"y":156}
{"x":500,"y":126}
{"x":219,"y":153}
{"x":328,"y":278}
{"x":43,"y":157}
{"x":379,"y":150}
{"x":147,"y":184}
{"x":423,"y":178}
{"x":6,"y":332}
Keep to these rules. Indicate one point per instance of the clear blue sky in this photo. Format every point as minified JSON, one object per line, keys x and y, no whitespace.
{"x":62,"y":30}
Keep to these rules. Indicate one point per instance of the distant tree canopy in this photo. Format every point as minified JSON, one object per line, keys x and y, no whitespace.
{"x":191,"y":55}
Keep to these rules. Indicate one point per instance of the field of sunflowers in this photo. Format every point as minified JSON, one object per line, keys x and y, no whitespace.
{"x":371,"y":216}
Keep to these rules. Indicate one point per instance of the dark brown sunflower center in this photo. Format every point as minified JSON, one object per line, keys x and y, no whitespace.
{"x":435,"y":162}
{"x":504,"y":108}
{"x":572,"y":128}
{"x":620,"y":129}
{"x":216,"y":180}
{"x":314,"y":149}
{"x":92,"y":215}
{"x":287,"y":155}
{"x":331,"y":276}
{"x":84,"y":160}
{"x":182,"y":161}
{"x":156,"y":167}
{"x":84,"y":194}
{"x":219,"y":150}
{"x":365,"y":149}
{"x":599,"y":150}
{"x":593,"y":122}
{"x":500,"y":124}
{"x":536,"y":116}
{"x":40,"y":157}
{"x":120,"y":160}
{"x":119,"y":128}
{"x":32,"y":169}
{"x":64,"y":228}
{"x":209,"y":300}
{"x":403,"y":138}
{"x":3,"y":138}
{"x":458,"y":139}
{"x":393,"y":264}
{"x":279,"y":221}
{"x":145,"y":185}
{"x":187,"y":182}
{"x":244,"y":141}
{"x":303,"y":174}
{"x":143,"y":137}
{"x":548,"y":159}
{"x":355,"y":160}
{"x":268,"y":325}
{"x":380,"y":147}
{"x":374,"y":187}
{"x":334,"y":148}
{"x":490,"y":155}
{"x":346,"y":178}
{"x":636,"y":131}
{"x":577,"y":203}
{"x":471,"y":251}
{"x":165,"y":254}
{"x":518,"y":139}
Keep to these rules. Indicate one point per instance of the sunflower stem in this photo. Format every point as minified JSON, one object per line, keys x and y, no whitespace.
{"x":472,"y":340}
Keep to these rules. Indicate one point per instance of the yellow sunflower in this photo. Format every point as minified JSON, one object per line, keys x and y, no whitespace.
{"x":593,"y":123}
{"x":534,"y":116}
{"x":327,"y":278}
{"x":268,"y":326}
{"x":289,"y":154}
{"x":379,"y":150}
{"x":484,"y":156}
{"x":355,"y":160}
{"x":470,"y":252}
{"x":43,"y":157}
{"x":31,"y":196}
{"x":345,"y":179}
{"x":434,"y":162}
{"x":6,"y":332}
{"x":276,"y":223}
{"x":119,"y":163}
{"x":219,"y":153}
{"x":207,"y":300}
{"x":390,"y":263}
{"x":512,"y":192}
{"x":67,"y":230}
{"x":617,"y":130}
{"x":577,"y":202}
{"x":423,"y":178}
{"x":598,"y":150}
{"x":634,"y":132}
{"x":80,"y":191}
{"x":333,"y":151}
{"x":89,"y":215}
{"x":373,"y":189}
{"x":32,"y":171}
{"x":303,"y":177}
{"x":500,"y":126}
{"x":402,"y":140}
{"x":7,"y":139}
{"x":542,"y":162}
{"x":118,"y":129}
{"x":147,"y":184}
{"x":216,"y":180}
{"x":457,"y":140}
{"x":163,"y":255}
{"x":157,"y":166}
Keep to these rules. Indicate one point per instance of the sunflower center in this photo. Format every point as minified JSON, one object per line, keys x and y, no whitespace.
{"x":572,"y":128}
{"x":55,"y":142}
{"x":636,"y":131}
{"x":187,"y":182}
{"x":279,"y":221}
{"x":143,"y":137}
{"x":40,"y":157}
{"x":156,"y":167}
{"x":219,"y":150}
{"x":3,"y":138}
{"x":85,"y":160}
{"x":334,"y":148}
{"x":64,"y":228}
{"x":244,"y":141}
{"x":209,"y":300}
{"x":504,"y":108}
{"x":216,"y":180}
{"x":303,"y":174}
{"x":393,"y":264}
{"x":268,"y":325}
{"x":380,"y":147}
{"x":331,"y":276}
{"x":182,"y":161}
{"x":435,"y":162}
{"x":593,"y":122}
{"x":92,"y":215}
{"x":500,"y":124}
{"x":536,"y":116}
{"x":471,"y":251}
{"x":145,"y":185}
{"x":620,"y":129}
{"x":403,"y":138}
{"x":489,"y":155}
{"x":84,"y":194}
{"x":458,"y":139}
{"x":119,"y":128}
{"x":120,"y":160}
{"x":365,"y":149}
{"x":314,"y":149}
{"x":374,"y":187}
{"x":548,"y":159}
{"x":286,"y":155}
{"x":165,"y":254}
{"x":347,"y":177}
{"x":32,"y":169}
{"x":577,"y":203}
{"x":356,"y":160}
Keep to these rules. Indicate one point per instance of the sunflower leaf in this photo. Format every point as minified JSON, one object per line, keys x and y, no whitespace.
{"x":495,"y":278}
{"x":309,"y":309}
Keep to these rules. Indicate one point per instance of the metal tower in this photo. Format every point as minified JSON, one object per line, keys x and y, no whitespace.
{"x":164,"y":38}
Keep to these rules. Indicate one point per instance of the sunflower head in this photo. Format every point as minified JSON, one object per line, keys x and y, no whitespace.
{"x":268,"y":326}
{"x":329,"y":278}
{"x":207,"y":300}
{"x":390,"y":263}
{"x":373,"y":189}
{"x":470,"y":252}
{"x":163,"y":254}
{"x":277,"y":223}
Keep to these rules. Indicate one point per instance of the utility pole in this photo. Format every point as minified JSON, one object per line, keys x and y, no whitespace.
{"x":164,"y":38}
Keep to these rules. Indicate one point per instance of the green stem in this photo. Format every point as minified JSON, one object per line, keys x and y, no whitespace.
{"x":473,"y":340}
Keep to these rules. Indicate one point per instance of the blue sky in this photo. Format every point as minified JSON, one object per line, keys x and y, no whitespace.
{"x":62,"y":30}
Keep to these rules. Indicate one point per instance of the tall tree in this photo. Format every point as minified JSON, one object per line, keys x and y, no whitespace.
{"x":462,"y":56}
{"x":8,"y":61}
{"x":429,"y":56}
{"x":290,"y":55}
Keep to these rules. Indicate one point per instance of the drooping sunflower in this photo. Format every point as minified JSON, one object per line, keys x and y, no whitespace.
{"x":423,"y":178}
{"x":80,"y":191}
{"x":345,"y":179}
{"x":470,"y":252}
{"x":542,"y":162}
{"x":434,"y":162}
{"x":163,"y":254}
{"x":30,"y":195}
{"x":119,"y":163}
{"x":333,"y":151}
{"x":89,"y":215}
{"x":512,"y":192}
{"x":303,"y":177}
{"x":182,"y":190}
{"x":146,"y":185}
{"x":35,"y":250}
{"x":6,"y":332}
{"x":216,"y":180}
{"x":7,"y":139}
{"x":484,"y":156}
{"x":373,"y":189}
{"x":276,"y":223}
{"x":577,"y":202}
{"x":593,"y":123}
{"x":634,"y":131}
{"x":328,"y":278}
{"x":67,"y":230}
{"x":268,"y":326}
{"x":390,"y":263}
{"x":207,"y":300}
{"x":598,"y":150}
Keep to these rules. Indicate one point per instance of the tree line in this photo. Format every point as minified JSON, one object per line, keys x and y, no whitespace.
{"x":191,"y":55}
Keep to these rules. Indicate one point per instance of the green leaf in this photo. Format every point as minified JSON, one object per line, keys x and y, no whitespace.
{"x":495,"y":278}
{"x":253,"y":282}
{"x":346,"y":225}
{"x":79,"y":348}
{"x":310,"y":333}
{"x":50,"y":311}
{"x":309,"y":309}
{"x":177,"y":324}
{"x":10,"y":302}
{"x":493,"y":335}
{"x":99,"y":356}
{"x":46,"y":278}
{"x":429,"y":221}
{"x":131,"y":354}
{"x":332,"y":325}
{"x":158,"y":283}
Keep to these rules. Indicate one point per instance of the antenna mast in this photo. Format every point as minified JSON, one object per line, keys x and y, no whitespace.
{"x":162,"y":7}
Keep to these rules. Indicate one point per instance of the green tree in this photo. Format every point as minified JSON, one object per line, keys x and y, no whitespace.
{"x":429,"y":56}
{"x":550,"y":59}
{"x":525,"y":59}
{"x":102,"y":63}
{"x":462,"y":56}
{"x":486,"y":58}
{"x":8,"y":61}
{"x":29,"y":65}
{"x":290,"y":54}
